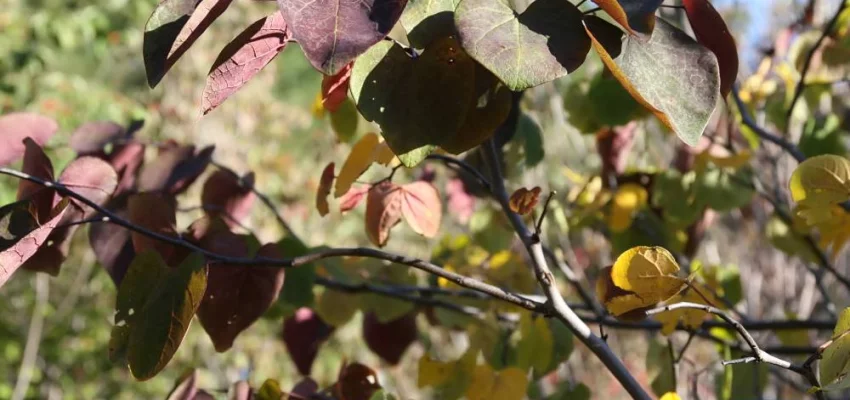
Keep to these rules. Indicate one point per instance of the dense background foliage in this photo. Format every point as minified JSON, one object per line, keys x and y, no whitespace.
{"x":80,"y":62}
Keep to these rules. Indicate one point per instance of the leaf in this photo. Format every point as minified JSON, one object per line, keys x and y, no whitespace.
{"x":383,"y":211}
{"x":237,"y":295}
{"x":337,"y":307}
{"x":785,"y":238}
{"x":823,"y":136}
{"x":670,"y":396}
{"x":91,"y":178}
{"x":675,"y":195}
{"x":242,"y":58}
{"x":441,"y":98}
{"x":303,"y":334}
{"x":724,"y":190}
{"x":571,"y":391}
{"x":660,"y":368}
{"x":156,"y":213}
{"x":524,"y":50}
{"x":332,"y":34}
{"x":425,"y":20}
{"x":356,"y":382}
{"x":523,"y":201}
{"x":835,"y":363}
{"x":637,"y":16}
{"x":647,"y":270}
{"x":382,"y":395}
{"x":324,"y":190}
{"x":389,"y":340}
{"x":126,"y":160}
{"x":91,"y":137}
{"x":530,"y":135}
{"x":449,"y":379}
{"x":165,"y":318}
{"x":298,"y":288}
{"x":421,"y":208}
{"x":821,"y":181}
{"x":506,"y":384}
{"x":37,"y":164}
{"x":711,"y":31}
{"x":460,"y":203}
{"x":112,"y":244}
{"x":21,"y":239}
{"x":628,"y":199}
{"x":535,"y":346}
{"x":172,"y":29}
{"x":229,"y":196}
{"x":15,"y":127}
{"x":690,"y":73}
{"x":358,"y":161}
{"x":175,"y":169}
{"x":144,"y":274}
{"x":353,"y":197}
{"x":186,"y":387}
{"x":270,"y":390}
{"x":690,"y":317}
{"x":335,"y":88}
{"x":344,"y":120}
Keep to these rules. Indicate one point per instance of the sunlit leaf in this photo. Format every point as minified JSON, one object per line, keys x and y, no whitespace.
{"x":422,"y":208}
{"x":324,"y":190}
{"x":535,"y":346}
{"x":506,"y":384}
{"x":523,"y":200}
{"x":660,"y":368}
{"x":337,"y":307}
{"x":15,"y":127}
{"x":356,"y":382}
{"x":449,"y":379}
{"x":835,"y":363}
{"x":335,"y":88}
{"x":21,"y":237}
{"x":358,"y":160}
{"x":637,"y":16}
{"x":711,"y":31}
{"x":628,"y":199}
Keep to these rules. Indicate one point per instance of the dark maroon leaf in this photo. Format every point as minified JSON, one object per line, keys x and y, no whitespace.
{"x":172,"y":29}
{"x":334,"y":33}
{"x":237,"y":295}
{"x":390,"y":340}
{"x":613,"y":146}
{"x":303,"y":333}
{"x":175,"y":169}
{"x":92,"y":137}
{"x":637,"y":16}
{"x":243,"y":58}
{"x":38,"y":165}
{"x":111,"y":243}
{"x":335,"y":88}
{"x":24,"y":246}
{"x":91,"y":178}
{"x":356,"y":382}
{"x":711,"y":32}
{"x":126,"y":160}
{"x":305,"y":387}
{"x":15,"y":127}
{"x":154,"y":212}
{"x":225,"y":194}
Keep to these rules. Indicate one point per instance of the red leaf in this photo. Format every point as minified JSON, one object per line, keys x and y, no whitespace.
{"x":92,"y":137}
{"x":303,"y":334}
{"x":353,"y":197}
{"x":172,"y":29}
{"x":91,"y":178}
{"x":522,"y":201}
{"x":390,"y":340}
{"x":421,"y":208}
{"x":711,"y":31}
{"x":154,"y":212}
{"x":335,"y":88}
{"x":243,"y":58}
{"x":15,"y":127}
{"x":461,"y":204}
{"x":38,"y":165}
{"x":226,"y":194}
{"x":175,"y":169}
{"x":383,"y":211}
{"x":324,"y":190}
{"x":13,"y":257}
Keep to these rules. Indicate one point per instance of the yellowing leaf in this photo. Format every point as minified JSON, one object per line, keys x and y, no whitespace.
{"x":628,"y":199}
{"x":336,"y":307}
{"x":534,"y":349}
{"x":506,"y":384}
{"x":733,"y":161}
{"x":421,"y":208}
{"x":523,"y":200}
{"x":358,"y":161}
{"x":449,"y":379}
{"x":324,"y":190}
{"x":835,"y":364}
{"x":690,"y":317}
{"x":670,"y":396}
{"x":647,"y":271}
{"x":383,"y":154}
{"x":821,"y":181}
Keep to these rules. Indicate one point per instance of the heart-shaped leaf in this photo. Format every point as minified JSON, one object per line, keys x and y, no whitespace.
{"x":383,"y":211}
{"x":542,"y":44}
{"x":154,"y":212}
{"x":227,"y":195}
{"x":174,"y":169}
{"x":688,"y":72}
{"x":711,"y":31}
{"x":15,"y":127}
{"x":244,"y":57}
{"x":637,"y":16}
{"x":91,"y":178}
{"x":163,"y":321}
{"x":421,"y":208}
{"x":111,"y":243}
{"x":334,"y":33}
{"x":172,"y":29}
{"x":91,"y":137}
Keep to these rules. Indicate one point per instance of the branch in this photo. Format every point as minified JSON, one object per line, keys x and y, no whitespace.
{"x":748,"y":120}
{"x":801,"y":84}
{"x":547,"y":282}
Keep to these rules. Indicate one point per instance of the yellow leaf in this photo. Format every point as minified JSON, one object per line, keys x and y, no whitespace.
{"x":821,"y":181}
{"x":670,"y":396}
{"x":733,"y":161}
{"x":336,"y":307}
{"x":318,"y":110}
{"x":432,"y":372}
{"x":383,"y":154}
{"x":690,"y":317}
{"x":647,"y":271}
{"x":534,"y":349}
{"x":629,"y":198}
{"x":449,"y":379}
{"x":506,"y":384}
{"x":360,"y":158}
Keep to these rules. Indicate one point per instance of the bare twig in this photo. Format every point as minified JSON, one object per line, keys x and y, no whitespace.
{"x":748,"y":120}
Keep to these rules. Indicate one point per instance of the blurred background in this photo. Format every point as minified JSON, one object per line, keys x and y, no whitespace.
{"x":79,"y":61}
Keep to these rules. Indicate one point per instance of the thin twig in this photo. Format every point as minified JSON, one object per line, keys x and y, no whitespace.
{"x":22,"y":384}
{"x":748,"y":120}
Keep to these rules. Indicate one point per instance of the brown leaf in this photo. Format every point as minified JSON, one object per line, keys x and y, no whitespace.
{"x":356,"y":382}
{"x":227,"y":195}
{"x":15,"y":127}
{"x":324,"y":190}
{"x":244,"y":57}
{"x":383,"y":211}
{"x":522,"y":201}
{"x":154,"y":212}
{"x":421,"y":208}
{"x":126,"y":160}
{"x":353,"y":197}
{"x":237,"y":295}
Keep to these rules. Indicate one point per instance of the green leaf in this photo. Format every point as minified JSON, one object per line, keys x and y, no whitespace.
{"x":562,"y":345}
{"x":783,"y":237}
{"x":527,"y":143}
{"x":571,"y":391}
{"x":344,"y":120}
{"x":835,"y":364}
{"x":822,"y":137}
{"x":674,"y":194}
{"x":297,"y":289}
{"x":144,"y":274}
{"x":543,"y":43}
{"x":165,"y":317}
{"x":382,"y":395}
{"x":741,"y":381}
{"x":723,"y":189}
{"x":270,"y":390}
{"x":660,"y":368}
{"x":437,"y":99}
{"x":534,"y":349}
{"x":610,"y":104}
{"x":672,"y":75}
{"x":426,"y":20}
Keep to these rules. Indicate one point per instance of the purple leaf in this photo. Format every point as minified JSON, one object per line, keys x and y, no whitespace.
{"x":15,"y":127}
{"x":126,"y":160}
{"x":13,"y":257}
{"x":243,"y":58}
{"x":224,"y":194}
{"x":91,"y":178}
{"x":175,"y":169}
{"x":111,"y":243}
{"x":91,"y":137}
{"x":334,"y":33}
{"x":38,"y":165}
{"x":172,"y":29}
